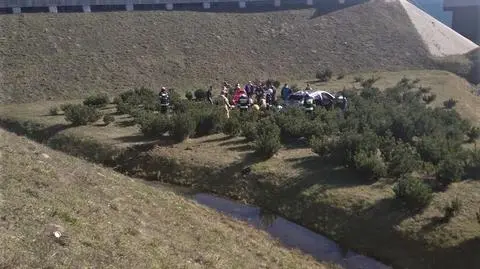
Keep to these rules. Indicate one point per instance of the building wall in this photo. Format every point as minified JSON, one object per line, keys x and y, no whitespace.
{"x":466,"y":21}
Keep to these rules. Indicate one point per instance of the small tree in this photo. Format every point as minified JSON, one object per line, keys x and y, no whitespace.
{"x":452,"y":209}
{"x":413,"y":193}
{"x":450,"y":103}
{"x":53,"y":111}
{"x":324,"y":75}
{"x":451,"y":169}
{"x":183,"y":126}
{"x":99,"y":100}
{"x":107,"y":119}
{"x":189,"y":96}
{"x":200,"y":95}
{"x":429,"y":98}
{"x":268,"y":138}
{"x":81,"y":115}
{"x":473,"y":134}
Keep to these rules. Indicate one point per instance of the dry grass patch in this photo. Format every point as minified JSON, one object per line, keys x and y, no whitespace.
{"x":104,"y":219}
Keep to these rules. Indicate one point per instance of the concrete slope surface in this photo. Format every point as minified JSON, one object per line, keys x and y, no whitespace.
{"x":440,"y":39}
{"x":69,"y":55}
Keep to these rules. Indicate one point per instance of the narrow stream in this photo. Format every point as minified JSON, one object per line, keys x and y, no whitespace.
{"x":291,"y":234}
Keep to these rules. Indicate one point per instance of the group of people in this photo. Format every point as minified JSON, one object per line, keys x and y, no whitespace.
{"x":252,"y":95}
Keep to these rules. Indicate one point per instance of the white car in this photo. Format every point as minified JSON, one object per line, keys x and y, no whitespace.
{"x":321,"y":98}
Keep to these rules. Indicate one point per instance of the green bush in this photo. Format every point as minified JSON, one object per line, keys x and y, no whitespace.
{"x":107,"y":119}
{"x":81,"y":115}
{"x":200,"y":95}
{"x":370,"y":165}
{"x":451,"y":169}
{"x":473,"y":166}
{"x":53,"y":111}
{"x":249,"y":131}
{"x":368,"y":83}
{"x":233,"y":125}
{"x":153,"y":125}
{"x":99,"y":100}
{"x":183,"y":126}
{"x":189,"y":96}
{"x":432,"y":149}
{"x":402,"y":160}
{"x":267,"y":141}
{"x":65,"y":107}
{"x":424,"y":90}
{"x":452,"y":209}
{"x":429,"y":98}
{"x":117,"y":100}
{"x":124,"y":108}
{"x":358,"y":79}
{"x":324,"y":75}
{"x":413,"y":192}
{"x":209,"y":120}
{"x":450,"y":103}
{"x":473,"y":134}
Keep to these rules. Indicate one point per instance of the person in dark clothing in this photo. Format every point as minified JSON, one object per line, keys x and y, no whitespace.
{"x":249,"y":89}
{"x":210,"y":95}
{"x":286,"y":92}
{"x":259,"y":93}
{"x":308,"y":104}
{"x":164,"y":100}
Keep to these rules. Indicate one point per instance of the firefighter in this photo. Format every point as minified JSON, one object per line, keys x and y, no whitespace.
{"x":243,"y":102}
{"x":308,"y":104}
{"x":164,"y":100}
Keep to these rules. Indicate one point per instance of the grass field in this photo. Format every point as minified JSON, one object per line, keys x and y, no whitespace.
{"x":327,"y":199}
{"x":108,"y":220}
{"x":69,"y":55}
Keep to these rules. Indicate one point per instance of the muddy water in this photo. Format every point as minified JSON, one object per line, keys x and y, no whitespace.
{"x":291,"y":234}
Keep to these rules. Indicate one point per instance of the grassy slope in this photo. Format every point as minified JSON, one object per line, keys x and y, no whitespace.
{"x":377,"y":229}
{"x":111,"y":221}
{"x":59,"y":56}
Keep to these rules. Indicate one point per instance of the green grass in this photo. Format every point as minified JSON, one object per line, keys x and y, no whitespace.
{"x":109,"y":220}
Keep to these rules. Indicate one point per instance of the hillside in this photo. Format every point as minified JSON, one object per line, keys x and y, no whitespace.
{"x":67,"y":55}
{"x":107,"y":220}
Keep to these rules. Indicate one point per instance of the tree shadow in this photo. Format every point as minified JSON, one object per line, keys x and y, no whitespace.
{"x":219,"y":139}
{"x":242,"y":148}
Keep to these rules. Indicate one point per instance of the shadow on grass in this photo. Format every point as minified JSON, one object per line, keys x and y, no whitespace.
{"x":35,"y":131}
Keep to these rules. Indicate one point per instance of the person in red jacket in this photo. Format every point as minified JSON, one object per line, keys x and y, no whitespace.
{"x":238,"y":92}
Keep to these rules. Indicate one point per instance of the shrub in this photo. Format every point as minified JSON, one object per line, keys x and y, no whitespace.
{"x":358,"y":79}
{"x":413,"y":192}
{"x":370,"y":165}
{"x":432,"y":149}
{"x":268,"y":138}
{"x":81,"y":115}
{"x":340,"y":76}
{"x":450,"y":103}
{"x":65,"y":107}
{"x":249,"y":131}
{"x":451,"y":169}
{"x":107,"y":119}
{"x":425,"y":90}
{"x":452,"y":209}
{"x":232,"y":126}
{"x":53,"y":111}
{"x":183,"y":126}
{"x":99,"y":100}
{"x":403,"y":159}
{"x":153,"y":125}
{"x":189,"y":96}
{"x":200,"y":95}
{"x":368,"y":83}
{"x":429,"y":98}
{"x":117,"y":100}
{"x":124,"y":108}
{"x":324,"y":75}
{"x":473,"y":134}
{"x":473,"y":167}
{"x":209,"y":120}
